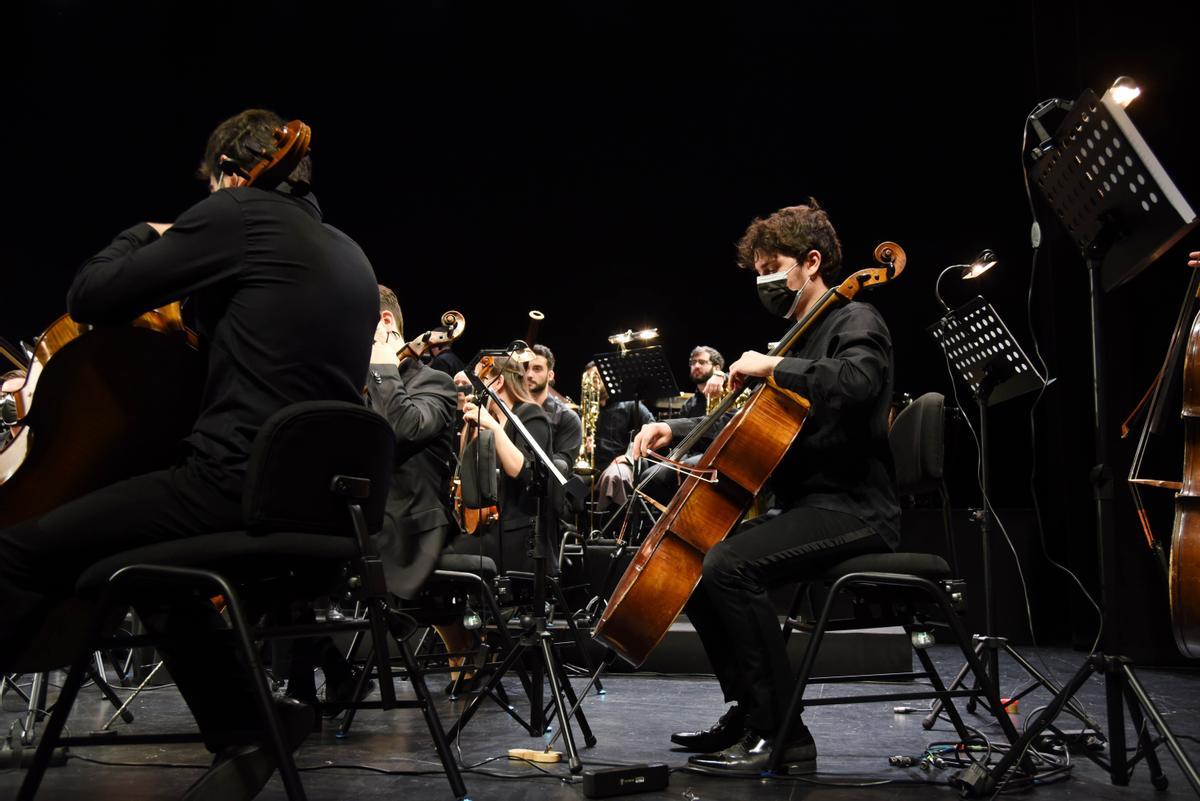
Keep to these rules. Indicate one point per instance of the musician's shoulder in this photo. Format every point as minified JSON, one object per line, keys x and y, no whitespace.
{"x":860,"y":313}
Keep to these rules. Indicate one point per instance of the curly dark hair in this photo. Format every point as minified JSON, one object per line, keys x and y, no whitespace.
{"x":793,"y":231}
{"x":240,"y":136}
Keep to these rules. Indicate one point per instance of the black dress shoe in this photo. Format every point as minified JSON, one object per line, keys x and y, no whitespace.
{"x":750,"y":756}
{"x":239,"y":772}
{"x":726,"y":732}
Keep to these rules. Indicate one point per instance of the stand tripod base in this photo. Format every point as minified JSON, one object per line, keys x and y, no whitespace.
{"x":1123,"y":691}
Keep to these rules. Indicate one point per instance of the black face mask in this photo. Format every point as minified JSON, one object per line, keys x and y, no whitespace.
{"x":776,"y":297}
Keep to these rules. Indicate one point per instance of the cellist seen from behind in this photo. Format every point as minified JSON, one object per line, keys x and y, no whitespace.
{"x":286,"y":307}
{"x":833,"y":490}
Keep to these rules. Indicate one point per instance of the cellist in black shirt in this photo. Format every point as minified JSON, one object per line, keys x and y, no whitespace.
{"x":285,"y":307}
{"x":833,"y":488}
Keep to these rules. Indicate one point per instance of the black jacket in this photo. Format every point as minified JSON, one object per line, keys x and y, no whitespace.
{"x":419,"y":404}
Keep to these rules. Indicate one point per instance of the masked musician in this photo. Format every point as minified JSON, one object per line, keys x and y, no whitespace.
{"x":833,"y":489}
{"x":704,"y":369}
{"x":286,"y":306}
{"x":566,"y":430}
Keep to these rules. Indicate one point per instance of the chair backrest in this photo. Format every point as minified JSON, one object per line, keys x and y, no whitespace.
{"x":918,"y":442}
{"x":297,"y":453}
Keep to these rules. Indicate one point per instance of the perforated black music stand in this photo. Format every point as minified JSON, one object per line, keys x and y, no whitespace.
{"x":983,"y":353}
{"x":636,"y":374}
{"x":1122,"y":211}
{"x":1106,"y":186}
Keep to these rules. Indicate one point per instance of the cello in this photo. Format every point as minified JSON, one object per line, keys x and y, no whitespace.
{"x":1184,"y":576}
{"x":101,"y":404}
{"x":1182,"y":566}
{"x":666,"y":569}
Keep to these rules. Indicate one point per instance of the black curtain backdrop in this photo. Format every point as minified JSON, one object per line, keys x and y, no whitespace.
{"x":597,"y":161}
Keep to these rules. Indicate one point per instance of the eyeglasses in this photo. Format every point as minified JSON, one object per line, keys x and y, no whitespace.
{"x":699,"y":361}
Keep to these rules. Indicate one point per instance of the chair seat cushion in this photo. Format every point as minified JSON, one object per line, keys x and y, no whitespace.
{"x":214,"y":550}
{"x":467,"y":563}
{"x":927,"y":565}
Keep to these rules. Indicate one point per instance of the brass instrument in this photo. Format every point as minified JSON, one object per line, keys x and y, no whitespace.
{"x":589,"y":412}
{"x":711,"y":402}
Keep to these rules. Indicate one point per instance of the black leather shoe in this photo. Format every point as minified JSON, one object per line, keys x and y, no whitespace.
{"x":239,"y":772}
{"x":750,"y":756}
{"x":726,"y":732}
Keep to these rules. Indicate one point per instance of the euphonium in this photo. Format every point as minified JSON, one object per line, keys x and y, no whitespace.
{"x":589,"y":411}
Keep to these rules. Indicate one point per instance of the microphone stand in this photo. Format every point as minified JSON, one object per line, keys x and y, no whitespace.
{"x":535,"y":636}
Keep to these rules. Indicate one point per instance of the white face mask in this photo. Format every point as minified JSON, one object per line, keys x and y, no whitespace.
{"x":775,"y":296}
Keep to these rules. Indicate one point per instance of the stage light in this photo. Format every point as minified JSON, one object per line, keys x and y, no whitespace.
{"x":1124,"y":91}
{"x":623,"y":339}
{"x":985,"y":261}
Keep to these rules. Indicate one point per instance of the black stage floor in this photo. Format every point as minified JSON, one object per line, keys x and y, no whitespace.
{"x":632,"y":723}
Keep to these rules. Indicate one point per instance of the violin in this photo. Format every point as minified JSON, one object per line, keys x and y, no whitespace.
{"x":453,"y":325}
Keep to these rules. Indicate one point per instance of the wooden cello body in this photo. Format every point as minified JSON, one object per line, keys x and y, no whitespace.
{"x":667,"y":567}
{"x":110,"y":403}
{"x":1184,"y":574}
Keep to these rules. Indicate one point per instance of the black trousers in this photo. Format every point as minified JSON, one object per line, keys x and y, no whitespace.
{"x":40,"y":561}
{"x":733,"y":615}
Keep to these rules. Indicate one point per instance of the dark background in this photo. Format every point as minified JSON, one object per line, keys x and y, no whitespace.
{"x":597,"y":161}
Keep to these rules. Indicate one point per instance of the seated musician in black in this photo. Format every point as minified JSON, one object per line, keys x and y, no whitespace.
{"x":419,"y":404}
{"x":833,"y":489}
{"x":704,"y":370}
{"x":508,"y":540}
{"x":615,"y":422}
{"x":566,"y":430}
{"x":285,"y":308}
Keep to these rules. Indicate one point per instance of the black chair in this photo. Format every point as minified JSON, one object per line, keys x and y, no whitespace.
{"x":911,"y":590}
{"x":315,"y":489}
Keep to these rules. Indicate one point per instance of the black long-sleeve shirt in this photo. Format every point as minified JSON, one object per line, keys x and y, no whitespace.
{"x":566,"y":431}
{"x":617,"y":419}
{"x":285,"y":307}
{"x":841,"y":460}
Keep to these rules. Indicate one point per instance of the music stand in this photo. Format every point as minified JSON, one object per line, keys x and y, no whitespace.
{"x":636,"y":374}
{"x":985,"y":355}
{"x":1122,"y":211}
{"x":1106,"y":186}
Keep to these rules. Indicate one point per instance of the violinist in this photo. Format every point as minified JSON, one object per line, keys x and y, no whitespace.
{"x":419,"y":403}
{"x":833,"y":490}
{"x":285,"y":307}
{"x":506,"y":540}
